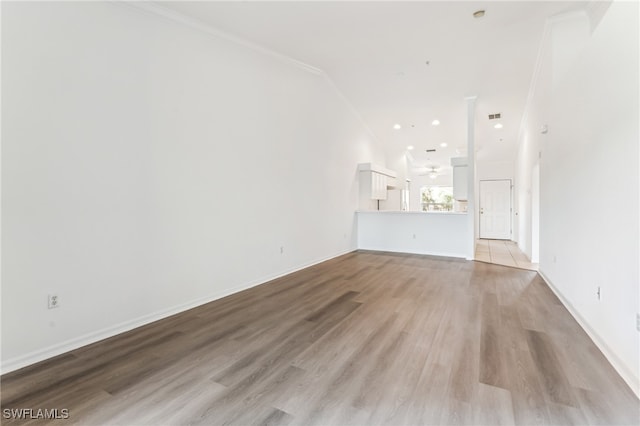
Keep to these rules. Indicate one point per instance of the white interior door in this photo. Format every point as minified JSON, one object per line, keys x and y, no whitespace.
{"x":495,"y":209}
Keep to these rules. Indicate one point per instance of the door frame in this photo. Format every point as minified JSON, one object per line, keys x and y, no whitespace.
{"x":510,"y":238}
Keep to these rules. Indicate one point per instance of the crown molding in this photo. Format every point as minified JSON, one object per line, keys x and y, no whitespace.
{"x":196,"y":24}
{"x":156,"y":9}
{"x":533,"y":85}
{"x":596,"y":9}
{"x":566,"y":16}
{"x":542,"y":50}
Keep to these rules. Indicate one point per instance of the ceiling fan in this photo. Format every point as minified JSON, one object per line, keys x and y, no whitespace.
{"x":431,"y":171}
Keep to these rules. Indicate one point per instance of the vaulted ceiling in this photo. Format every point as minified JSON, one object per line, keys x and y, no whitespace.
{"x":408,"y":63}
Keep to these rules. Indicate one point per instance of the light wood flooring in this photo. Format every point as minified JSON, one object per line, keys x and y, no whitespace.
{"x":364,"y":339}
{"x":502,"y":252}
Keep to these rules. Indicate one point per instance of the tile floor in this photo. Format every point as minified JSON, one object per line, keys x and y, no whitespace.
{"x":501,"y":252}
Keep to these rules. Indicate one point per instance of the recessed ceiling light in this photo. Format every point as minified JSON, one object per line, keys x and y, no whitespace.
{"x":498,"y":126}
{"x":478,"y":14}
{"x":443,"y":144}
{"x":397,"y":126}
{"x":410,"y":147}
{"x":435,"y":122}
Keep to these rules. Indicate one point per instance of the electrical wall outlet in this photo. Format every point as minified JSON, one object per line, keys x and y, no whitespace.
{"x":54,"y":301}
{"x":281,"y":249}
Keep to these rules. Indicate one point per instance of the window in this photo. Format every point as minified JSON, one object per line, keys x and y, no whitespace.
{"x":437,"y":198}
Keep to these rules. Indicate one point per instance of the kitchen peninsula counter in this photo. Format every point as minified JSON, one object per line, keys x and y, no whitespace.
{"x":434,"y":233}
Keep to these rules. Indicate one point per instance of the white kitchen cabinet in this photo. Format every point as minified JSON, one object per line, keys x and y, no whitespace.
{"x":460,"y":183}
{"x":373,"y":185}
{"x":378,"y":186}
{"x":460,"y":178}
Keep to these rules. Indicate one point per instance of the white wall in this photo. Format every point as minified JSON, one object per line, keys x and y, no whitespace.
{"x":439,"y":234}
{"x":492,"y":170}
{"x":587,"y":92}
{"x":148,"y":167}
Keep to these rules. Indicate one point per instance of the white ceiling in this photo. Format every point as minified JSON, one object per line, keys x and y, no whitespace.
{"x":376,"y":54}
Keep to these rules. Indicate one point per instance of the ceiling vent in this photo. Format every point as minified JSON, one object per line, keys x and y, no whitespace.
{"x":431,"y":150}
{"x":494,"y":116}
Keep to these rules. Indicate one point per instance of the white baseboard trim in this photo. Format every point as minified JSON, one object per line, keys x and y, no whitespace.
{"x":632,"y":381}
{"x":30,"y":358}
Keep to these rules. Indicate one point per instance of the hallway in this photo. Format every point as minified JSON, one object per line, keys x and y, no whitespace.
{"x":501,"y":252}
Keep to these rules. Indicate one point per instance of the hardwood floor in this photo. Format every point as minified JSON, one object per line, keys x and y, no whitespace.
{"x":366,"y":338}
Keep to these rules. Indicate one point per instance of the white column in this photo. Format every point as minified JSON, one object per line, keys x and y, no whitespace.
{"x":471,"y":176}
